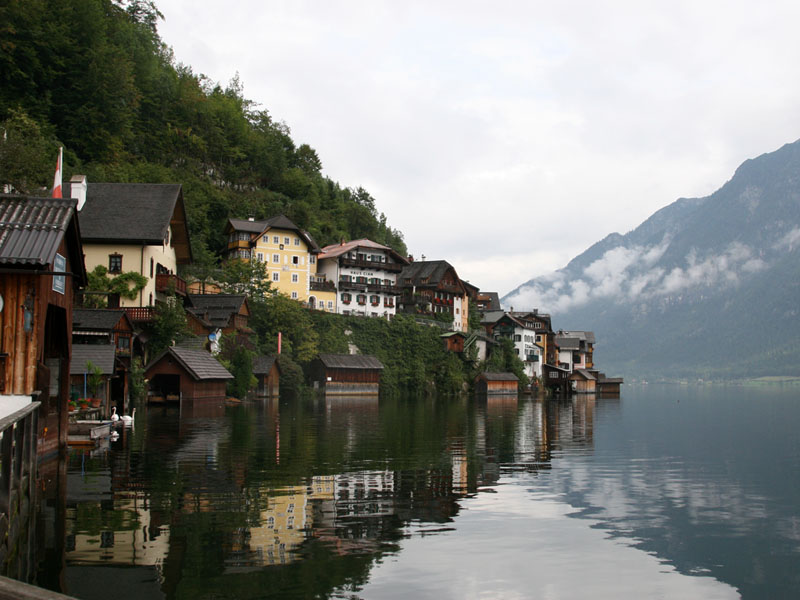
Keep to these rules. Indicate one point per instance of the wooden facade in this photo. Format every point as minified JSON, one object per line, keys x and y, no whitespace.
{"x":41,"y":268}
{"x":583,"y":381}
{"x":268,"y":373}
{"x":346,"y":374}
{"x":492,"y":384}
{"x":180,"y":374}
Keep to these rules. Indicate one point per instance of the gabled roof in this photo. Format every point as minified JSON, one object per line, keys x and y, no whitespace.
{"x":245,"y":225}
{"x":350,"y":361}
{"x":431,"y":271}
{"x":217,"y":308}
{"x":335,"y":250}
{"x":585,"y":374}
{"x":262,"y":365}
{"x":135,"y":213}
{"x":101,"y":355}
{"x":585,"y":336}
{"x":199,"y":364}
{"x":497,"y":376}
{"x":97,"y":319}
{"x":492,"y":317}
{"x":284,"y":222}
{"x":32,"y":229}
{"x":568,"y":343}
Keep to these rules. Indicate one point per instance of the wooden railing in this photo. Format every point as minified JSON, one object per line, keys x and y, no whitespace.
{"x":140,"y":313}
{"x":166,"y":281}
{"x":370,"y":264}
{"x":18,"y":456}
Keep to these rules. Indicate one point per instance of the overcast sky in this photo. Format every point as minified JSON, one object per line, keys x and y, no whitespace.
{"x":508,"y":137}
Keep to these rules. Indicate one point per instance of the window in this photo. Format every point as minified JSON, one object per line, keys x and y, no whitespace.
{"x":295,"y":260}
{"x":276,"y":258}
{"x":244,"y":253}
{"x":361,"y":298}
{"x":123,"y":344}
{"x":294,"y":295}
{"x":276,"y":276}
{"x":346,"y":298}
{"x":115,"y":263}
{"x":330,"y":303}
{"x":296,"y":241}
{"x":374,"y":300}
{"x":295,"y":278}
{"x":151,"y":268}
{"x":312,"y":260}
{"x":260,"y":257}
{"x":286,"y":241}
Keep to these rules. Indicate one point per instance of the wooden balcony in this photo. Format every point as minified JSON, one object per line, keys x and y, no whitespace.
{"x":321,"y":285}
{"x":140,"y":314}
{"x":370,"y":264}
{"x":165,"y":282}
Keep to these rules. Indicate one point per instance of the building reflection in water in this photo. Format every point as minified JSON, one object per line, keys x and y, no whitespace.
{"x":262,"y":484}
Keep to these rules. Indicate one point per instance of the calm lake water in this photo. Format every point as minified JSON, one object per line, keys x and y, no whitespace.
{"x":667,"y":492}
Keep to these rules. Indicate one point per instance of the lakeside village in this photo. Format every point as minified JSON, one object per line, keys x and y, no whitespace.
{"x":79,"y":364}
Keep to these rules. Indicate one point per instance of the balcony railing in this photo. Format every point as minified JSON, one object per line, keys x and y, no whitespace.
{"x":322,"y":285}
{"x":140,"y":314}
{"x":166,"y":281}
{"x":370,"y":264}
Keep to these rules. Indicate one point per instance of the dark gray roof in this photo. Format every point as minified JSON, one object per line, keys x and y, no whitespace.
{"x":96,"y":319}
{"x":586,"y":374}
{"x":101,"y":355}
{"x":198,"y":363}
{"x":432,"y":270}
{"x":136,"y":213}
{"x":568,"y":343}
{"x":492,"y":316}
{"x":217,"y":308}
{"x":247,"y":225}
{"x":262,"y":365}
{"x":498,"y":376}
{"x":586,"y":336}
{"x":350,"y":361}
{"x":31,"y":229}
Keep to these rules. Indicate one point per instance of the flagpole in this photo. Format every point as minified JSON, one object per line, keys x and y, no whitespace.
{"x":57,"y":178}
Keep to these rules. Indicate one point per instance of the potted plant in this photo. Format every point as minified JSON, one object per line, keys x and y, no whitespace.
{"x":95,"y":381}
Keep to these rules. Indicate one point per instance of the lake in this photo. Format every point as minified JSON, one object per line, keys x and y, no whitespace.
{"x":667,"y":492}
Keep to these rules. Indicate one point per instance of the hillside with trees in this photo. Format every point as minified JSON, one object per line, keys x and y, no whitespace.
{"x":95,"y":77}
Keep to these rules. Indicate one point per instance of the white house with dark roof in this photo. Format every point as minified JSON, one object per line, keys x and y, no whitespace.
{"x":365,"y":275}
{"x":137,"y":227}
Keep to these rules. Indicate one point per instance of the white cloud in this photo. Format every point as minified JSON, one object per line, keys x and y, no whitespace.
{"x":536,"y":128}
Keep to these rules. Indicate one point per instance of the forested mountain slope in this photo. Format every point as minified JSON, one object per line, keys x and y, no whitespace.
{"x":95,"y":77}
{"x":706,"y":287}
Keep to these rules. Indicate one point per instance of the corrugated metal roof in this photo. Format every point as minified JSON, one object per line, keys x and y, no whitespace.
{"x":350,"y":361}
{"x":31,"y":229}
{"x":101,"y":355}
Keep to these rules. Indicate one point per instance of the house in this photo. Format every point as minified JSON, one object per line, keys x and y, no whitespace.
{"x":240,"y":234}
{"x":138,"y":227}
{"x":365,"y":275}
{"x":41,"y":257}
{"x":454,"y":341}
{"x":102,"y":357}
{"x":556,"y":378}
{"x":433,"y":287}
{"x":289,"y":254}
{"x":493,"y":384}
{"x":488,"y":301}
{"x":575,"y":349}
{"x":583,"y":381}
{"x":186,"y":374}
{"x":608,"y":387}
{"x":346,"y":374}
{"x":213,"y":316}
{"x":110,"y":326}
{"x":541,"y":324}
{"x":268,"y":373}
{"x":524,"y":335}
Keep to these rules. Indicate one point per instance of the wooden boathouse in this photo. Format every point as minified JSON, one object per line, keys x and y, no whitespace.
{"x":346,"y":374}
{"x":268,"y":373}
{"x":495,"y":384}
{"x":179,"y":374}
{"x":41,"y":268}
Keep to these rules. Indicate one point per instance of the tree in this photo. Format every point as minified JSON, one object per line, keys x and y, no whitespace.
{"x":27,"y":155}
{"x":246,"y":277}
{"x":168,"y":327}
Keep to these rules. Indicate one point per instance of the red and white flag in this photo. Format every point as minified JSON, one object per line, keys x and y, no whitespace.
{"x":57,"y":178}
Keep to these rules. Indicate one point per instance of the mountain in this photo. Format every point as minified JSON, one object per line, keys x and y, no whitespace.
{"x":706,"y":287}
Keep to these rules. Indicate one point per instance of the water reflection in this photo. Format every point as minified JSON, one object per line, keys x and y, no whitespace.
{"x":322,"y":497}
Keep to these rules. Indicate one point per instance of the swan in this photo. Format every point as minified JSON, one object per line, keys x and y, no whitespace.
{"x":114,"y":415}
{"x":127,"y":420}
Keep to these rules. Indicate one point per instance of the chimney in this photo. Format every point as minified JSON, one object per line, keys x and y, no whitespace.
{"x":77,"y":186}
{"x":251,"y":219}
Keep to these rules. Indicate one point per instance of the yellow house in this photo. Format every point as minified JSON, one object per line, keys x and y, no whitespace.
{"x":137,"y":227}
